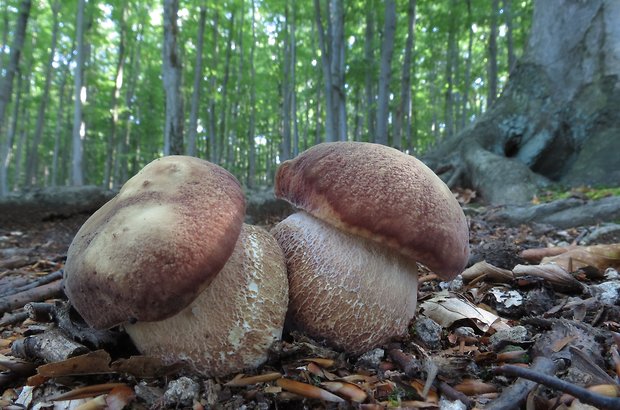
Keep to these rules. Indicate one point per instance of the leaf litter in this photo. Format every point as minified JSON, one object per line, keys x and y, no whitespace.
{"x":533,"y":300}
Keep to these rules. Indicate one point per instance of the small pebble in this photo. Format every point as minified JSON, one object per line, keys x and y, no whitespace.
{"x":428,"y":332}
{"x":516,"y":334}
{"x":181,"y":392}
{"x":371,"y":359}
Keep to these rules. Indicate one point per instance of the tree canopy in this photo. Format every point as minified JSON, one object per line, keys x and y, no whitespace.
{"x":262,"y":80}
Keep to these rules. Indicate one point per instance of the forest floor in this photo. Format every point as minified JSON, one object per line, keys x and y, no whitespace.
{"x":510,"y":313}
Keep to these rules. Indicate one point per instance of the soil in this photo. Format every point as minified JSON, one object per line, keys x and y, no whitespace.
{"x":542,"y":325}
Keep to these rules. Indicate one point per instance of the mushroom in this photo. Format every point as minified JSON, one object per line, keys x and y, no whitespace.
{"x":150,"y":253}
{"x":368,"y":214}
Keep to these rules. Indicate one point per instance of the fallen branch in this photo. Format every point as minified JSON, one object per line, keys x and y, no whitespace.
{"x":43,"y":280}
{"x":50,"y":346}
{"x":514,"y":395}
{"x":18,"y":300}
{"x":584,"y":395}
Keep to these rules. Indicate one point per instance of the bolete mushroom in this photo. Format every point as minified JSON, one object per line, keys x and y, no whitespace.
{"x":149,"y":254}
{"x":368,"y":214}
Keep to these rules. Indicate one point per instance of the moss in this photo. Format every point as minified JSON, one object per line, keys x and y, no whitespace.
{"x":585,"y":192}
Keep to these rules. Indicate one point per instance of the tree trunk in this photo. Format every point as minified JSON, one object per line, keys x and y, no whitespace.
{"x":252,"y":125}
{"x":557,"y":119}
{"x":385,"y":75}
{"x":405,"y":93}
{"x":470,"y":43}
{"x":510,"y":49}
{"x":287,"y":92}
{"x":224,"y":111}
{"x":193,"y":116}
{"x":172,"y":72}
{"x":32,"y":162}
{"x":212,"y":138}
{"x":451,"y":58}
{"x":116,"y":92}
{"x":58,"y":126}
{"x":330,"y":117}
{"x":492,"y":67}
{"x":6,"y":87}
{"x":369,"y":75}
{"x":79,"y":128}
{"x":336,"y":28}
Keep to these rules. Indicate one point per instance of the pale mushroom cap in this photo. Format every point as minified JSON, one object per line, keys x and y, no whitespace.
{"x":383,"y":194}
{"x":232,"y":323}
{"x":148,"y":252}
{"x":350,"y":291}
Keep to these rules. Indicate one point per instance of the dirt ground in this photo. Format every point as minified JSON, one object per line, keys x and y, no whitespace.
{"x":562,"y":329}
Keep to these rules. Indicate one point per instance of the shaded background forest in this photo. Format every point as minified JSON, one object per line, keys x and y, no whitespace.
{"x":253,"y":80}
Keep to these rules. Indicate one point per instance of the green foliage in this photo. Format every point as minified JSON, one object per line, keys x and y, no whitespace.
{"x":226,"y":86}
{"x":583,"y":192}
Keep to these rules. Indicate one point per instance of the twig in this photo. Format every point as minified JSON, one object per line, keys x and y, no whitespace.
{"x":18,"y":300}
{"x":12,"y":318}
{"x":513,"y":396}
{"x":43,"y":280}
{"x":407,"y":363}
{"x":453,"y":394}
{"x":584,"y":395}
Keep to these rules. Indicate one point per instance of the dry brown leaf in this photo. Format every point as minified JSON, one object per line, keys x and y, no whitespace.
{"x":260,"y":378}
{"x":535,"y":255}
{"x":87,"y":391}
{"x":145,"y":366}
{"x":97,"y":362}
{"x":599,"y":257}
{"x":483,"y":270}
{"x":446,"y":308}
{"x":552,"y":273}
{"x":349,"y":390}
{"x":321,"y":361}
{"x":308,"y":390}
{"x":120,"y":397}
{"x":471,"y":387}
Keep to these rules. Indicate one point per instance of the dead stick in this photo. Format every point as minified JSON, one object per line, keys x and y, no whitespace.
{"x":452,"y":394}
{"x":514,"y":395}
{"x":43,"y":280}
{"x":408,"y":363}
{"x":12,"y":318}
{"x":18,"y":300}
{"x":584,"y":395}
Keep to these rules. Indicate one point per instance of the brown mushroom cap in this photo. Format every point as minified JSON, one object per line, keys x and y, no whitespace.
{"x":348,"y":290}
{"x":232,"y":323}
{"x":148,"y":252}
{"x":383,"y":194}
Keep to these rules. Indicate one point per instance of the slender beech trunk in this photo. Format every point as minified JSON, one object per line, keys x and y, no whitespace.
{"x":252,"y":125}
{"x":337,"y":68}
{"x":58,"y":129}
{"x":33,"y":155}
{"x":405,"y":86}
{"x":116,"y":93}
{"x":224,"y":111}
{"x":492,"y":67}
{"x":22,"y":126}
{"x":369,"y":67}
{"x":293,"y":62}
{"x":385,"y":75}
{"x":287,"y":92}
{"x":212,"y":143}
{"x":232,"y":144}
{"x":195,"y":105}
{"x":172,"y":72}
{"x":451,"y":57}
{"x":470,"y":43}
{"x":330,"y":121}
{"x":79,"y":128}
{"x":6,"y":86}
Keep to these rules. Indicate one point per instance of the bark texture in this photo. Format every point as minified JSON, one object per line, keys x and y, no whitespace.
{"x":557,"y":119}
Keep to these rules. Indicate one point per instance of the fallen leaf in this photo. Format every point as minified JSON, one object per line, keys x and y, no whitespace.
{"x":552,"y":273}
{"x":349,"y":390}
{"x":484,"y":270}
{"x":261,"y":378}
{"x":308,"y":390}
{"x":599,"y":257}
{"x":87,"y":391}
{"x":446,"y":308}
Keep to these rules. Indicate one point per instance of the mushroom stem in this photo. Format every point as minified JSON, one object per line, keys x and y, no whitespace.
{"x":348,"y":290}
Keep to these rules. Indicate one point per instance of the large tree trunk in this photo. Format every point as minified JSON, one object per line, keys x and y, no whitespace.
{"x":557,"y":119}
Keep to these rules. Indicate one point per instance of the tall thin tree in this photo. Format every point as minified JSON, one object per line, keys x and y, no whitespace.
{"x":195,"y":105}
{"x":385,"y":75}
{"x":172,"y":72}
{"x":6,"y":85}
{"x":79,"y":128}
